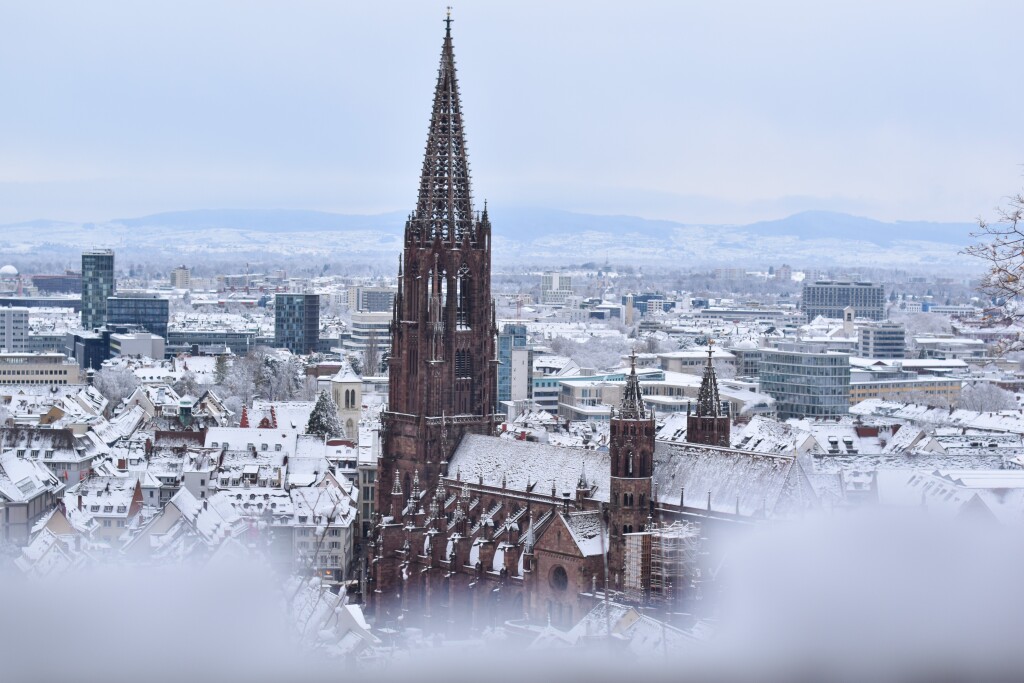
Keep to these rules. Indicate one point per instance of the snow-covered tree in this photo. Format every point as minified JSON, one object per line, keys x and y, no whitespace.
{"x":1000,"y":243}
{"x":923,"y":398}
{"x":986,"y":397}
{"x":723,"y":369}
{"x":240,"y":380}
{"x":922,"y":323}
{"x":220,"y":371}
{"x":116,"y":384}
{"x":324,"y":419}
{"x":187,"y":385}
{"x":280,"y":378}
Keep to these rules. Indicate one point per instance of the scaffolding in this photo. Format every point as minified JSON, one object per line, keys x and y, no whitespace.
{"x":673,"y":557}
{"x":659,"y":563}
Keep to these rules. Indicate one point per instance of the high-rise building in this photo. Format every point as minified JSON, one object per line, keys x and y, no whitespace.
{"x":882,"y":340}
{"x":555,"y":288}
{"x":806,"y":383}
{"x":297,"y":322}
{"x":150,"y":312}
{"x":97,"y":286}
{"x":828,"y":298}
{"x":13,"y":329}
{"x":511,"y":339}
{"x":181,"y":278}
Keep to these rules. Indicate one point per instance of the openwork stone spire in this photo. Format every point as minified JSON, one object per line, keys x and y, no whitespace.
{"x":444,"y":209}
{"x":708,"y":403}
{"x":632,"y":407}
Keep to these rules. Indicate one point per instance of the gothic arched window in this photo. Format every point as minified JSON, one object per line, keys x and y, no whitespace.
{"x":462,"y":291}
{"x":463,"y":365}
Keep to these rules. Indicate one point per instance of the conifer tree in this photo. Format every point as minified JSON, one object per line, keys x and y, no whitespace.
{"x":324,"y":419}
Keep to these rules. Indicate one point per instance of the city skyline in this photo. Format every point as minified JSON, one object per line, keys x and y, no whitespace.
{"x":717,"y":115}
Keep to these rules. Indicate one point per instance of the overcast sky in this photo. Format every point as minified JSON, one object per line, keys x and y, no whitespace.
{"x":696,"y":111}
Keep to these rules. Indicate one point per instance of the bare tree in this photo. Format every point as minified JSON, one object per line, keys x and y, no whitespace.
{"x":986,"y":397}
{"x":187,"y":385}
{"x":371,"y":354}
{"x":1002,"y":246}
{"x":116,"y":384}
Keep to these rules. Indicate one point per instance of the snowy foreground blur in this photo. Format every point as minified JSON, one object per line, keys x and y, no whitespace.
{"x":869,"y":596}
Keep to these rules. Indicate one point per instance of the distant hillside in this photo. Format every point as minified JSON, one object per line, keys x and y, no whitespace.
{"x":826,"y":224}
{"x":521,"y":234}
{"x":270,"y":220}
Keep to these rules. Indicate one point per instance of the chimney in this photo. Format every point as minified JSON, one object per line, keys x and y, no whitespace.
{"x":79,"y":501}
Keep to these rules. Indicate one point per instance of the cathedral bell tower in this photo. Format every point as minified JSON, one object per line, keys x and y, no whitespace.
{"x":708,"y":424}
{"x":631,"y":448}
{"x":442,"y":370}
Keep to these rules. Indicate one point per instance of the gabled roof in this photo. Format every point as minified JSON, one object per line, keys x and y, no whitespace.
{"x":588,"y":531}
{"x":750,"y":484}
{"x":524,"y":461}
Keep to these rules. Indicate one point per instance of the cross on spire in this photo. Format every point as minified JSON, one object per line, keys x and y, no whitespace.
{"x":708,"y":402}
{"x":632,"y":407}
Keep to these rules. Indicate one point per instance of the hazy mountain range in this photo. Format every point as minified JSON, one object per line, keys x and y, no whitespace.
{"x":522,"y":235}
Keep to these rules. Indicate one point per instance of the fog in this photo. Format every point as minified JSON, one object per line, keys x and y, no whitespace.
{"x":863,"y":597}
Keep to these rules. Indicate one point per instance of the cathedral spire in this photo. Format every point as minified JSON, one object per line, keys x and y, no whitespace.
{"x":709,"y":424}
{"x":632,"y":407}
{"x":708,"y":403}
{"x":444,"y":209}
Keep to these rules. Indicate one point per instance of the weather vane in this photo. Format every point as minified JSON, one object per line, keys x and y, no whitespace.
{"x":448,"y":19}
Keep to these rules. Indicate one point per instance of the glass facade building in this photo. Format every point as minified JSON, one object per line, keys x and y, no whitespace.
{"x":511,"y":336}
{"x":97,"y":287}
{"x":882,"y":340}
{"x":806,"y":384}
{"x":151,"y":313}
{"x":297,"y":322}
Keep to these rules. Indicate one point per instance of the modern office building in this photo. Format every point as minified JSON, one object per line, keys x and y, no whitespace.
{"x":68,"y":283}
{"x":369,"y":329}
{"x":148,"y":311}
{"x":181,"y":278}
{"x":805,"y":383}
{"x":372,"y":299}
{"x":511,"y":339}
{"x":828,"y":298}
{"x":38,"y":368}
{"x":13,"y":329}
{"x":555,"y":288}
{"x":882,"y":340}
{"x":138,"y":344}
{"x":192,"y":340}
{"x":72,"y":302}
{"x":97,"y":287}
{"x":89,"y":349}
{"x":297,"y":322}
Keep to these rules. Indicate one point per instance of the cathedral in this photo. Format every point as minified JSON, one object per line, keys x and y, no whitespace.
{"x":474,"y":530}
